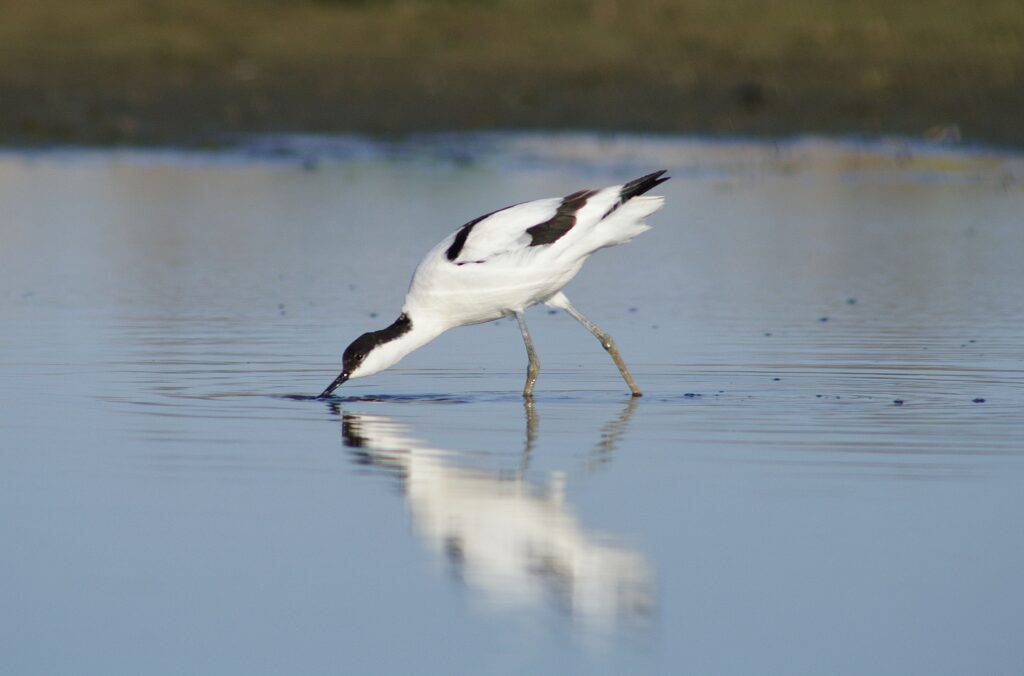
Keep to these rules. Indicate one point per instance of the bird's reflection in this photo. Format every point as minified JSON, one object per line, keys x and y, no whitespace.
{"x":515,"y":542}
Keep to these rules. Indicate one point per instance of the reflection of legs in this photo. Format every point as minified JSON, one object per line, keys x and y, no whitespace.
{"x":560,"y":301}
{"x":534,"y":367}
{"x":611,"y":436}
{"x":531,"y":433}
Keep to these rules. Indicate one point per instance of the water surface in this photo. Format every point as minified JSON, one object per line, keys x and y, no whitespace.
{"x":824,"y":474}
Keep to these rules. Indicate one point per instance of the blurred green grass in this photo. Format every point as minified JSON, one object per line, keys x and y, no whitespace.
{"x":189,"y":71}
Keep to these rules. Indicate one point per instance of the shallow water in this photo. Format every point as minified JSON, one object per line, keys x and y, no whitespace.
{"x":824,"y":474}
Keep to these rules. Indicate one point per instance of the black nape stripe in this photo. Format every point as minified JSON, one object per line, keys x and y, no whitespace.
{"x":399,"y":327}
{"x":637,"y":186}
{"x":552,"y":229}
{"x":460,"y":238}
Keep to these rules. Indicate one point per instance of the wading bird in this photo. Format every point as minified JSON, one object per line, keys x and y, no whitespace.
{"x":503,"y":262}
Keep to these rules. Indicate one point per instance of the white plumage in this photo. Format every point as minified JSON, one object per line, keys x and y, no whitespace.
{"x":502,"y":263}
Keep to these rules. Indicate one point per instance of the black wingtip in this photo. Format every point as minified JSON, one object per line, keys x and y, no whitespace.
{"x":641,"y":185}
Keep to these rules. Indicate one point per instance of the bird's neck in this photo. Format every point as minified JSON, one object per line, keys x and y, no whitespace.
{"x":421,"y":331}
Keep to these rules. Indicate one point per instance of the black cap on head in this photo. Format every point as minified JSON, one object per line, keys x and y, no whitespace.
{"x":356,"y":352}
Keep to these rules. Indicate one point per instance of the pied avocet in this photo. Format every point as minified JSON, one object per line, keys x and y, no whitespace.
{"x":502,"y":263}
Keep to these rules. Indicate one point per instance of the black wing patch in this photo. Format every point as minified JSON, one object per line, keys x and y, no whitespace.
{"x":552,"y":229}
{"x":460,"y":238}
{"x":636,"y":187}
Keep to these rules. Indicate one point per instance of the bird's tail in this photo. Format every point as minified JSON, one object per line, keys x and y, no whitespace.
{"x":627,"y":221}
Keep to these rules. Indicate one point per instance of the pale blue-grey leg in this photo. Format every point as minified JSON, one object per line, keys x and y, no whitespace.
{"x":560,"y":301}
{"x":534,"y":366}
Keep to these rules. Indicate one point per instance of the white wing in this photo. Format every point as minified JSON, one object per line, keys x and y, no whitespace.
{"x":498,"y":232}
{"x":510,"y":259}
{"x":594,"y":215}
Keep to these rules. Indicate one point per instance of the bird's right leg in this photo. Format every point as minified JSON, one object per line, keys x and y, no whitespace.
{"x":559,"y":300}
{"x":534,"y":366}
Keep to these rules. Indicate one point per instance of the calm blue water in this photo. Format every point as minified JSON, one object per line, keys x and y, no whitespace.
{"x":171,"y":501}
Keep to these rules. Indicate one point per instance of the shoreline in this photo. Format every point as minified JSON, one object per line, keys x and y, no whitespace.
{"x":198,"y":122}
{"x":575,"y":150}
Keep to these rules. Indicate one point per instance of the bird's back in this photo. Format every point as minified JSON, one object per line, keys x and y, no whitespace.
{"x":512,"y":258}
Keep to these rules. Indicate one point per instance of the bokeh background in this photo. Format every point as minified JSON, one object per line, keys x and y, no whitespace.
{"x":200,"y":71}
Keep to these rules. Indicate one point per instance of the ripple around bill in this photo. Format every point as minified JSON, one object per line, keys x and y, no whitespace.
{"x":381,"y":398}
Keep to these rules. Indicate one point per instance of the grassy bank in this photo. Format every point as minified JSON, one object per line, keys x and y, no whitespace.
{"x":191,"y":71}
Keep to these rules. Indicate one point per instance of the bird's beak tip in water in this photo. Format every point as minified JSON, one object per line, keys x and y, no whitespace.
{"x":342,"y":377}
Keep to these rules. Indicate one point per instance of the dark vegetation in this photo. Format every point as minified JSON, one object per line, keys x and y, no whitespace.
{"x":198,"y":71}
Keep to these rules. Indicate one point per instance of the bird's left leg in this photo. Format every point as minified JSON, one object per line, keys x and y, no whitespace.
{"x":560,"y":301}
{"x":534,"y":366}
